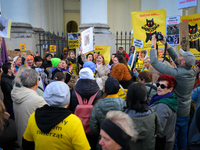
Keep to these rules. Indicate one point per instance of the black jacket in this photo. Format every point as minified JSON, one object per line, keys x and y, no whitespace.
{"x":6,"y":87}
{"x":46,"y":64}
{"x":86,"y":88}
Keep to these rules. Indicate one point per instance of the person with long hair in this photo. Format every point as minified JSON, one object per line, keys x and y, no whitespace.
{"x":111,"y":63}
{"x":72,"y":59}
{"x":165,"y":103}
{"x":146,"y":120}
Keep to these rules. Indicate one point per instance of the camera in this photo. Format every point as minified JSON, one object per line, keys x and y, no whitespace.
{"x":158,"y":36}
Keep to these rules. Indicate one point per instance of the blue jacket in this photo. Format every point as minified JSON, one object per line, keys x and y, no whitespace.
{"x":195,"y":95}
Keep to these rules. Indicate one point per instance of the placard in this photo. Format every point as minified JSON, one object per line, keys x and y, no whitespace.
{"x":73,"y":40}
{"x":138,"y":43}
{"x":184,"y":36}
{"x":22,"y":47}
{"x":173,"y":33}
{"x":186,"y":3}
{"x":12,"y":53}
{"x":5,"y":27}
{"x":53,"y":48}
{"x":87,"y":40}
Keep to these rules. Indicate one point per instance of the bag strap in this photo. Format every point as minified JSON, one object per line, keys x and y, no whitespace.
{"x":80,"y":101}
{"x":122,"y":89}
{"x":92,"y":98}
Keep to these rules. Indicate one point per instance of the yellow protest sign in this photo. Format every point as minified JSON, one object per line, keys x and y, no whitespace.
{"x":194,"y":33}
{"x":53,"y":48}
{"x":73,"y":40}
{"x":104,"y":50}
{"x":22,"y":47}
{"x":147,"y":23}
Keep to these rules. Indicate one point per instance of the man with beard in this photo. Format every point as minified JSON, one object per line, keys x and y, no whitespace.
{"x":185,"y":76}
{"x":123,"y":53}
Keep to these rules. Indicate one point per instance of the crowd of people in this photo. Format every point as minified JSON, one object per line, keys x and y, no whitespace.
{"x":81,"y":103}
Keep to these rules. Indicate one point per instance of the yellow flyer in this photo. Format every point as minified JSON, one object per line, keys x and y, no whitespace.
{"x":22,"y":47}
{"x":104,"y":50}
{"x":147,"y":23}
{"x":194,"y":33}
{"x":53,"y":48}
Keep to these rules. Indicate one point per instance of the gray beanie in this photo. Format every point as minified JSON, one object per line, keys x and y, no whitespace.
{"x":57,"y":94}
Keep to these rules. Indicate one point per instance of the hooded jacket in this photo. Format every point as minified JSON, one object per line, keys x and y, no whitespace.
{"x":6,"y":87}
{"x":25,"y":102}
{"x":85,"y":88}
{"x":55,"y":128}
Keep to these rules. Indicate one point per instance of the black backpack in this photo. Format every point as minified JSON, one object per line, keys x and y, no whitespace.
{"x":151,"y":87}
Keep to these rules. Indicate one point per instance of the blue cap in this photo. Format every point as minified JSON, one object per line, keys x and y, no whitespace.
{"x":90,"y":65}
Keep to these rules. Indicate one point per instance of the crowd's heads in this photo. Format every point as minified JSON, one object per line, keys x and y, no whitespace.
{"x":6,"y":67}
{"x":57,"y":94}
{"x":59,"y":76}
{"x":120,"y":72}
{"x":117,"y":131}
{"x":38,"y":61}
{"x":71,"y":54}
{"x":145,"y":76}
{"x":146,"y":62}
{"x":29,"y":60}
{"x":136,"y":97}
{"x":86,"y":73}
{"x":112,"y":59}
{"x":48,"y":56}
{"x":89,"y":64}
{"x":64,"y":64}
{"x":121,"y":49}
{"x":111,"y":86}
{"x":89,"y":57}
{"x":165,"y":84}
{"x":100,"y":59}
{"x":29,"y":78}
{"x":56,"y":62}
{"x":19,"y":72}
{"x":188,"y":57}
{"x":17,"y":60}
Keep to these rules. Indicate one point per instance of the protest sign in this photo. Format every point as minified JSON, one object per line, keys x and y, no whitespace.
{"x":12,"y":53}
{"x":147,"y":23}
{"x":87,"y":40}
{"x":138,"y":43}
{"x":22,"y":48}
{"x":53,"y":48}
{"x":186,"y":3}
{"x":194,"y":33}
{"x":5,"y":27}
{"x":184,"y":36}
{"x":173,"y":30}
{"x":73,"y":40}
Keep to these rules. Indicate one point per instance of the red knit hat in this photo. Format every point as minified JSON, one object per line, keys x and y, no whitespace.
{"x":29,"y":57}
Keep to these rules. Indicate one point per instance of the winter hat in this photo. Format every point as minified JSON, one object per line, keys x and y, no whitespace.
{"x":111,"y":86}
{"x":47,"y":54}
{"x":55,"y":61}
{"x":57,"y":94}
{"x":90,"y":65}
{"x":86,"y":73}
{"x":29,"y":57}
{"x":15,"y":59}
{"x":188,"y":57}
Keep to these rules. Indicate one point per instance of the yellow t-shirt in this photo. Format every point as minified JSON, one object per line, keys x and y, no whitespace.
{"x":67,"y":135}
{"x":139,"y":64}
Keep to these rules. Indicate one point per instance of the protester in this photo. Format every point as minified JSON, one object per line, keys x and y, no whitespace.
{"x":139,"y":63}
{"x":26,"y":100}
{"x":59,"y":76}
{"x":145,"y":77}
{"x":54,"y":126}
{"x":18,"y":62}
{"x":95,"y":55}
{"x":110,"y":64}
{"x":117,"y":131}
{"x":30,"y":60}
{"x":185,"y":77}
{"x":8,"y":133}
{"x":111,"y":101}
{"x":47,"y":63}
{"x":7,"y":78}
{"x":165,"y":104}
{"x":146,"y":120}
{"x":197,"y":81}
{"x":122,"y":52}
{"x":101,"y":70}
{"x":72,"y":59}
{"x":38,"y":62}
{"x":131,"y":51}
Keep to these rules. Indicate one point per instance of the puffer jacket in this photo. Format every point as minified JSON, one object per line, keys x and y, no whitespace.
{"x":111,"y":102}
{"x":185,"y":78}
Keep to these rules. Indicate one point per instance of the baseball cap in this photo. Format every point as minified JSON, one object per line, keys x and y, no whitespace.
{"x":188,"y":57}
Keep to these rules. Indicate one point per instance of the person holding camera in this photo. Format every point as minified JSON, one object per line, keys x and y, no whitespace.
{"x":185,"y":76}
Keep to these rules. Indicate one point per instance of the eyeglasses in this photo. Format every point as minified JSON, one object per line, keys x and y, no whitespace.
{"x":162,"y":85}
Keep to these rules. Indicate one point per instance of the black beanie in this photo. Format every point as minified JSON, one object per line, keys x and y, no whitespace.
{"x":111,"y":86}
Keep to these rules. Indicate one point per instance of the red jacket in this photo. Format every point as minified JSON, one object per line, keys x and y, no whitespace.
{"x":125,"y":54}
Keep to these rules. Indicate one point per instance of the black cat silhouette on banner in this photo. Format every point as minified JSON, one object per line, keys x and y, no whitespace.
{"x":194,"y":33}
{"x":147,"y":23}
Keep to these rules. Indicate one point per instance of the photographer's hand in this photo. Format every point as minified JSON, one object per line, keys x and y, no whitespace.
{"x":164,"y":41}
{"x":153,"y":40}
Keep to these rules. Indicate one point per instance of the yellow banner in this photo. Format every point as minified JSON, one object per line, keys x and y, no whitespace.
{"x":146,"y":23}
{"x":22,"y":47}
{"x":194,"y":33}
{"x":73,"y":44}
{"x":104,"y":50}
{"x":53,"y":48}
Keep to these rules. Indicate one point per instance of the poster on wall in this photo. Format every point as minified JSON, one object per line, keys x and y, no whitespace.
{"x":5,"y":27}
{"x":87,"y":40}
{"x":186,"y":3}
{"x":73,"y":40}
{"x":147,"y":23}
{"x":173,"y":34}
{"x":194,"y":33}
{"x":53,"y":49}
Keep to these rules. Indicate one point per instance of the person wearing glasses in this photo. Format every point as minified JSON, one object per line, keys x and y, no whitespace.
{"x":165,"y":104}
{"x":185,"y":77}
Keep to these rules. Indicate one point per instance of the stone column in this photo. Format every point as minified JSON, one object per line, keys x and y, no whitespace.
{"x":45,"y":14}
{"x":51,"y":16}
{"x":94,"y":13}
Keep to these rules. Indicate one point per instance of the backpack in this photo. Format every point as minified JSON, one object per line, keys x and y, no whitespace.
{"x":83,"y":111}
{"x":151,"y":87}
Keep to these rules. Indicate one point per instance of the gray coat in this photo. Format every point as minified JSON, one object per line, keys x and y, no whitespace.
{"x":185,"y":77}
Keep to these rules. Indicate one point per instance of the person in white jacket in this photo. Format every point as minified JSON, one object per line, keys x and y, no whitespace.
{"x":26,"y":100}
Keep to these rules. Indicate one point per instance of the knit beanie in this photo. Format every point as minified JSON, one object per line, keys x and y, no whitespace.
{"x":55,"y":61}
{"x":90,"y":65}
{"x":47,"y":54}
{"x":29,"y":57}
{"x":111,"y":86}
{"x":57,"y":94}
{"x":86,"y":73}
